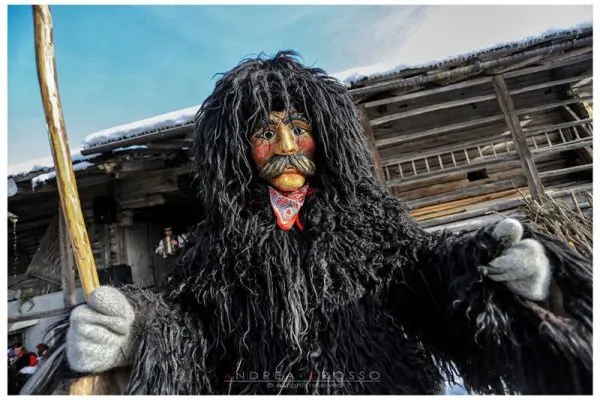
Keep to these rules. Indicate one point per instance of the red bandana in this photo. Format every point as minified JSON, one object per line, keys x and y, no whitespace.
{"x":287,"y":206}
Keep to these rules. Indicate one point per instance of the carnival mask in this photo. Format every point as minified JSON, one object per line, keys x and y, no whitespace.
{"x":283,"y":150}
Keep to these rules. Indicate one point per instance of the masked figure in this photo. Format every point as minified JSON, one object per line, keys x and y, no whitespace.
{"x":309,"y":277}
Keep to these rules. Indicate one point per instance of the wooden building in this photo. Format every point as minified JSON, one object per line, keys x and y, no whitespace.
{"x":457,"y":140}
{"x":128,"y":197}
{"x":464,"y":140}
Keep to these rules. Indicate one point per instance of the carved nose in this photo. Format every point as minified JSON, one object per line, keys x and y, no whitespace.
{"x":287,"y":143}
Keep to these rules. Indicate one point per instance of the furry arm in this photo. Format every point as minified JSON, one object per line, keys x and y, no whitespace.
{"x":163,"y":351}
{"x":497,"y":339}
{"x":170,"y":350}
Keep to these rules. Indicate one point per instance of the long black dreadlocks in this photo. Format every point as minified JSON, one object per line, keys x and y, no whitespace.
{"x":242,"y":100}
{"x":361,"y":300}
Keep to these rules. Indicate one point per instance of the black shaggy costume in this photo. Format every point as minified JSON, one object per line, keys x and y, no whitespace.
{"x":360,"y":301}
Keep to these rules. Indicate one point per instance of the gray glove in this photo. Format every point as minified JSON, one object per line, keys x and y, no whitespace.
{"x":100,"y":332}
{"x":523,"y":267}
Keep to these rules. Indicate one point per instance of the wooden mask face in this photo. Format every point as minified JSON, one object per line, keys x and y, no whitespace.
{"x":283,"y":150}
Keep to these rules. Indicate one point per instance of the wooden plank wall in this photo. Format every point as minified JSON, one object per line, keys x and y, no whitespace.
{"x":433,"y":143}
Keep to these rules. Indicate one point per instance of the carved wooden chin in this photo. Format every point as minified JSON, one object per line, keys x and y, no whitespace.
{"x":288,"y":181}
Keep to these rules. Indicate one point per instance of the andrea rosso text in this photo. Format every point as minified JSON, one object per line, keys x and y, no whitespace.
{"x":278,"y":379}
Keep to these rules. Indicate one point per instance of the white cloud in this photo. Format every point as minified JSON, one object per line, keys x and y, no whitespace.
{"x":448,"y":31}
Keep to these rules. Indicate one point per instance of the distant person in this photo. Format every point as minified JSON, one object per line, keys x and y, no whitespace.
{"x":23,"y":367}
{"x":170,"y":243}
{"x":24,"y":358}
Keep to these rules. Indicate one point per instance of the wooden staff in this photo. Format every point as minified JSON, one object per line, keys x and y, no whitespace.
{"x":65,"y":177}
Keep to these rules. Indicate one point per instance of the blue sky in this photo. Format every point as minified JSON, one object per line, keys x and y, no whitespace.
{"x":118,"y":64}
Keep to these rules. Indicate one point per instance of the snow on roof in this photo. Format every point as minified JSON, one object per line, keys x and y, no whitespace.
{"x":52,"y":174}
{"x":43,"y":164}
{"x":137,"y":128}
{"x":350,"y":76}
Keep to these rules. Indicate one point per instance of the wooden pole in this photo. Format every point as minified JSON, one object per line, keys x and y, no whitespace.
{"x":65,"y":177}
{"x":514,"y":125}
{"x":368,"y":132}
{"x":66,"y":258}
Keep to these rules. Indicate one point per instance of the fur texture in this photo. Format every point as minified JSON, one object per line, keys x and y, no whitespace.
{"x":362,"y":300}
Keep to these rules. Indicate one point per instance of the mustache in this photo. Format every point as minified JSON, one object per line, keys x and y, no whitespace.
{"x":277,"y":164}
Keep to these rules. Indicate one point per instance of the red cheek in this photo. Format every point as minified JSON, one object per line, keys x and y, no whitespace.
{"x":261,"y":152}
{"x":306,"y":144}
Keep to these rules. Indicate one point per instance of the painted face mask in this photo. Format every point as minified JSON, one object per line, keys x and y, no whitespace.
{"x":283,"y":151}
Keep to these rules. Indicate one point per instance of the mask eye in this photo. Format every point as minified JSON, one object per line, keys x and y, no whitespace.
{"x":297,"y":131}
{"x":268,"y":135}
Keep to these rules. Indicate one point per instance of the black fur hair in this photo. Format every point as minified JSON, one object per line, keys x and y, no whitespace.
{"x":242,"y":100}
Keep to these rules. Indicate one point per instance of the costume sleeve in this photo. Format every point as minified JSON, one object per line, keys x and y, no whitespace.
{"x":160,"y":247}
{"x":171,"y":348}
{"x":169,"y":353}
{"x":497,"y":341}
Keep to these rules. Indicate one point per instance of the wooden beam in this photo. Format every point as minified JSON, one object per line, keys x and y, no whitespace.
{"x":83,"y":180}
{"x":514,"y":125}
{"x":428,"y":92}
{"x":468,"y":192}
{"x":550,"y":106}
{"x":39,"y":315}
{"x":547,"y":67}
{"x":368,"y":132}
{"x":545,"y":85}
{"x":426,"y":212}
{"x":585,"y":81}
{"x":67,"y":263}
{"x":570,"y":55}
{"x":519,"y":65}
{"x":431,"y":108}
{"x":436,"y":131}
{"x":497,"y":207}
{"x":142,"y":202}
{"x":553,"y":127}
{"x":456,"y":103}
{"x":45,"y":279}
{"x":566,"y":171}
